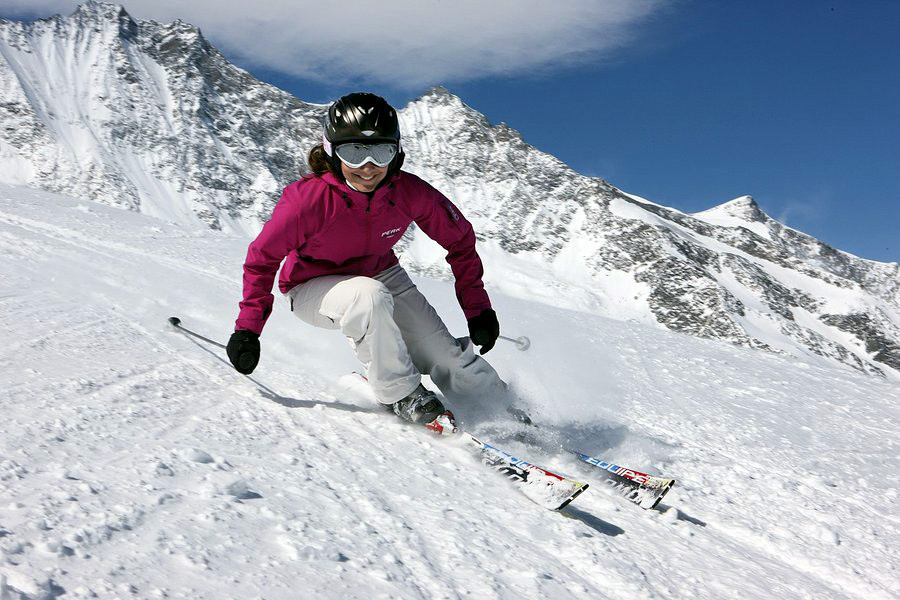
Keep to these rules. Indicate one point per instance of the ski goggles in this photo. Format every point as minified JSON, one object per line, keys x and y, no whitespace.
{"x":356,"y":155}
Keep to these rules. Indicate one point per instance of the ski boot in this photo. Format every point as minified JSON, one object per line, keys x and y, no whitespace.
{"x":422,"y":406}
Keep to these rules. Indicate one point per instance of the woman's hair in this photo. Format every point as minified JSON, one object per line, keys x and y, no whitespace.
{"x":319,"y":162}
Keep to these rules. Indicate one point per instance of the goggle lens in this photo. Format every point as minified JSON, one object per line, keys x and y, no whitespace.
{"x":356,"y":155}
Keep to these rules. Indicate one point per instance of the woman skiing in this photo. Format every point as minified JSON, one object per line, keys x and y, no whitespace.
{"x":335,"y":230}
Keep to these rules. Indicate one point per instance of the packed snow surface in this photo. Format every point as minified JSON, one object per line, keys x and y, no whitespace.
{"x":135,"y":462}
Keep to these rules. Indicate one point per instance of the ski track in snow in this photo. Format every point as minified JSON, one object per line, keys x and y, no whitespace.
{"x":134,"y":461}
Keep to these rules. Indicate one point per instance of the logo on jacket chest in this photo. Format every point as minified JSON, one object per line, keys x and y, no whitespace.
{"x":391,"y":232}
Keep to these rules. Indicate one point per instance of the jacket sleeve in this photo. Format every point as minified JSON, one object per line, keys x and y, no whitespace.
{"x":443,"y":222}
{"x":279,"y":236}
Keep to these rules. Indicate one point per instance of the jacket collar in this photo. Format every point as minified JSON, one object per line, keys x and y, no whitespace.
{"x":342,"y":188}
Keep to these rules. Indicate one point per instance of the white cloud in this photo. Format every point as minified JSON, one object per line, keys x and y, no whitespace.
{"x":405,"y":43}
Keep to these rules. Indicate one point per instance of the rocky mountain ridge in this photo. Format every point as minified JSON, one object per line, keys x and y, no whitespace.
{"x":151,"y":117}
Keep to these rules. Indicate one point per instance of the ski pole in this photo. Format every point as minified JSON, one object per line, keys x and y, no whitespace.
{"x":267,"y":391}
{"x":176,"y":322}
{"x":522,"y":343}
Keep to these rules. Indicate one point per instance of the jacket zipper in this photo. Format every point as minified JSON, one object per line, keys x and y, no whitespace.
{"x":369,"y":225}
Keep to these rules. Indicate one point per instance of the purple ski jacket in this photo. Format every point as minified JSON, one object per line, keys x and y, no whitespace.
{"x":321,"y":226}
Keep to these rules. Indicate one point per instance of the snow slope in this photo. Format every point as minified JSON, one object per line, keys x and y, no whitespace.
{"x":134,"y":462}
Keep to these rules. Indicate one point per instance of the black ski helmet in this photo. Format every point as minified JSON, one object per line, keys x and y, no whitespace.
{"x":362,"y":117}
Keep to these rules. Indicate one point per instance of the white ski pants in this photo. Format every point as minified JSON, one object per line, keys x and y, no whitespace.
{"x":396,"y":334}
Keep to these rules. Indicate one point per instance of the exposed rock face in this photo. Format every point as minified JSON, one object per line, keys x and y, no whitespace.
{"x":151,"y":117}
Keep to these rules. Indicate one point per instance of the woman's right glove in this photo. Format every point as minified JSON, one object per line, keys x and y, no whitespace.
{"x":484,"y":330}
{"x":243,"y":351}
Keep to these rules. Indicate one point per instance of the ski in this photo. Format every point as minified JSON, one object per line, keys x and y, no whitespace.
{"x":545,"y":488}
{"x":640,"y":488}
{"x":644,"y":490}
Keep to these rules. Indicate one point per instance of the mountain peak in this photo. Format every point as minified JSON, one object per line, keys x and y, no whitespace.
{"x":439,"y":95}
{"x":438,"y":90}
{"x":743,"y":208}
{"x":102,"y":15}
{"x":97,"y":9}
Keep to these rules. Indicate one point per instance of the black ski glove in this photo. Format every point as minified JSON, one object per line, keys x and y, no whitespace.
{"x":243,"y":351}
{"x":484,"y":330}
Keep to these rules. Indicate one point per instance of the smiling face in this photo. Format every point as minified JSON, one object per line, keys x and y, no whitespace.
{"x":365,"y":178}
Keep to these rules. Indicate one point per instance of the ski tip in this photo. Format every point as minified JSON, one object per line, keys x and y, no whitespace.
{"x":577,"y":493}
{"x":658,"y":496}
{"x":174,"y":321}
{"x":664,"y":491}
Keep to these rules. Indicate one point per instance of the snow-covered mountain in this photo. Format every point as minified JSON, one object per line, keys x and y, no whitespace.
{"x":151,"y":117}
{"x":144,"y":116}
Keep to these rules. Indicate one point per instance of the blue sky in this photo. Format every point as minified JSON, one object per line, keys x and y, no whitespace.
{"x":688,"y":103}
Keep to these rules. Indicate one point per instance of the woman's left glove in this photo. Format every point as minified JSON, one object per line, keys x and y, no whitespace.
{"x":243,"y":351}
{"x":484,"y":329}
